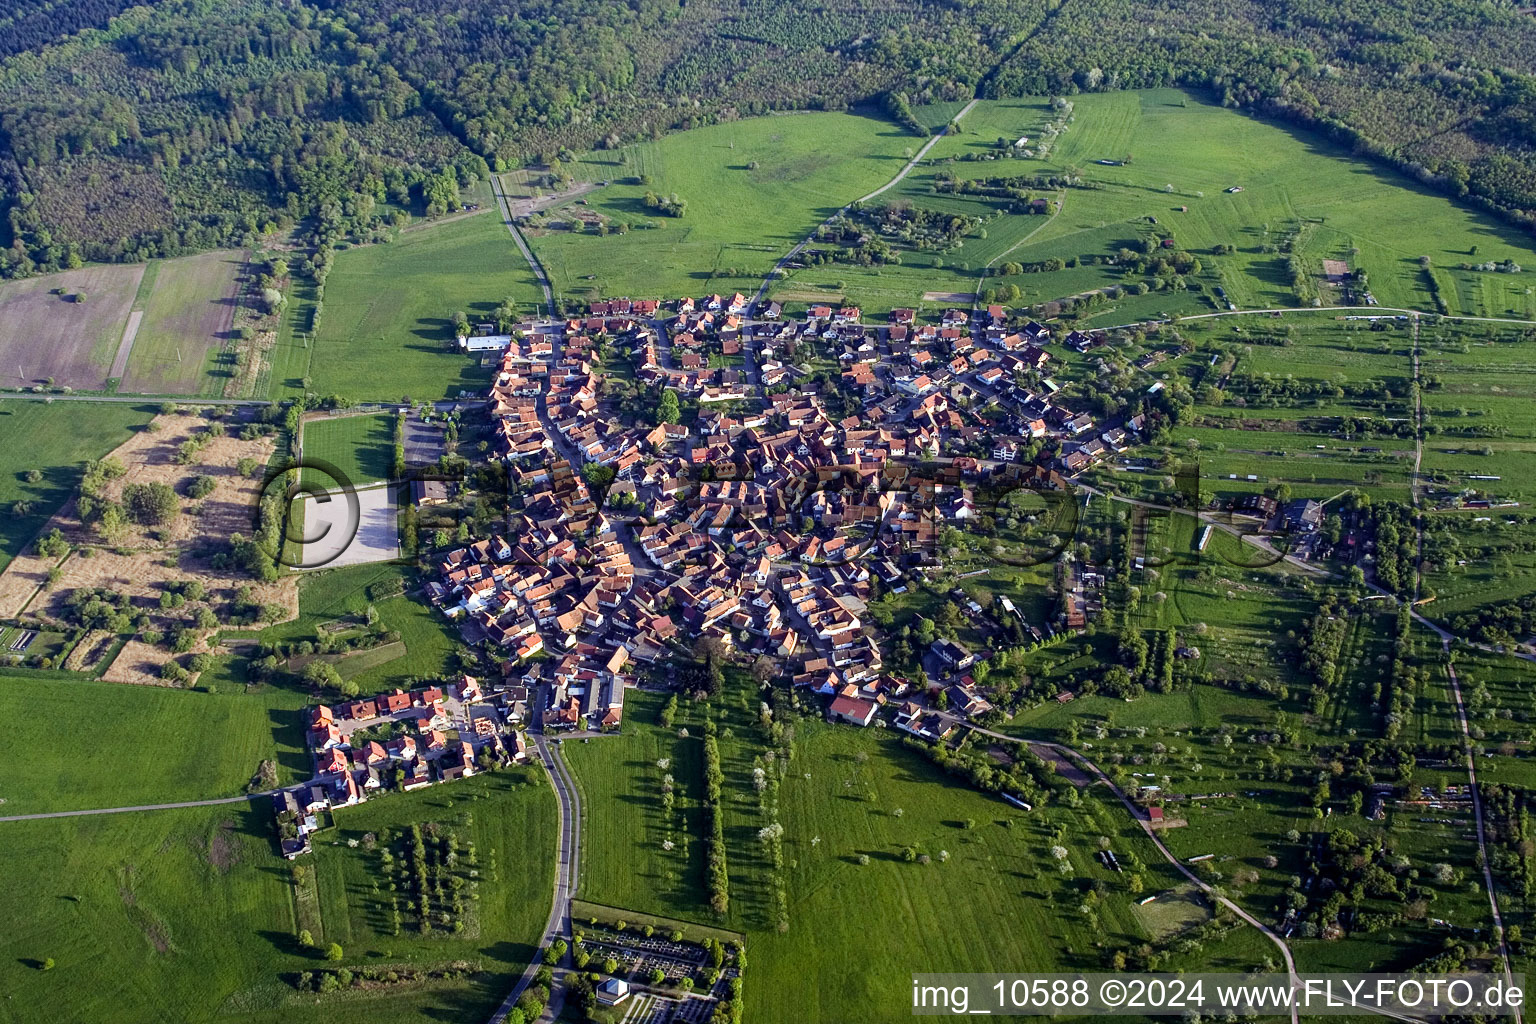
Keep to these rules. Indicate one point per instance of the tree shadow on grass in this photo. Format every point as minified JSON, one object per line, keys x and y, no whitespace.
{"x":286,"y":943}
{"x":435,"y":328}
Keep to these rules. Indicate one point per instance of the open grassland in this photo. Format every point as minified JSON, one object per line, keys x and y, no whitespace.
{"x":362,"y":447}
{"x":178,"y":745}
{"x":191,"y":915}
{"x":387,"y":327}
{"x":65,"y":327}
{"x":850,"y":795}
{"x":998,"y":899}
{"x":57,"y":440}
{"x":1292,"y":182}
{"x":187,"y":314}
{"x":292,"y":348}
{"x":753,"y":190}
{"x":332,"y":595}
{"x":623,"y":829}
{"x":1274,"y":458}
{"x":1169,"y":156}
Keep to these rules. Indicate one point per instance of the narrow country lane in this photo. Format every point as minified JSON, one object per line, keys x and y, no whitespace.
{"x":139,"y":807}
{"x":1140,"y":819}
{"x":504,"y":204}
{"x":778,"y":268}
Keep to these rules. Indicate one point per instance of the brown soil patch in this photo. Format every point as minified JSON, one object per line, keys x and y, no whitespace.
{"x":1065,"y":766}
{"x":949,"y":296}
{"x":140,"y":664}
{"x":147,"y":559}
{"x":89,"y":651}
{"x":224,"y":848}
{"x":49,"y":335}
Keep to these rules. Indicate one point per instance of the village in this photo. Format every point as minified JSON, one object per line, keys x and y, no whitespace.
{"x":757,"y":533}
{"x":761,"y":529}
{"x":398,"y":741}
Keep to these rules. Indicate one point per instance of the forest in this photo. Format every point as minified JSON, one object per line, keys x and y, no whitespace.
{"x":134,"y":132}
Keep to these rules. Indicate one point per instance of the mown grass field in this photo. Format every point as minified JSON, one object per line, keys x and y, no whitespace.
{"x":1144,"y":155}
{"x":387,"y":327}
{"x":48,"y":334}
{"x":998,"y":900}
{"x":191,"y":915}
{"x":754,"y":189}
{"x":291,"y":353}
{"x":362,"y":447}
{"x":179,"y":745}
{"x":991,"y":896}
{"x":187,"y":308}
{"x":57,"y":439}
{"x":623,"y":862}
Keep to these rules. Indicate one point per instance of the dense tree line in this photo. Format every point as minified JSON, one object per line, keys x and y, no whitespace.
{"x":30,"y":24}
{"x":714,"y":815}
{"x":157,"y":130}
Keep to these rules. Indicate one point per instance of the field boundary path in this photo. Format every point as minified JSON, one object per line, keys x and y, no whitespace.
{"x":1061,"y":204}
{"x":1445,"y":637}
{"x":1140,"y":819}
{"x":140,"y":807}
{"x":188,"y":400}
{"x":567,"y":878}
{"x":124,"y":347}
{"x":505,"y":205}
{"x":778,"y":268}
{"x":1372,"y":310}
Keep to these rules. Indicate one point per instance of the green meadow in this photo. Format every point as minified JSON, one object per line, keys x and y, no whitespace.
{"x":56,"y":439}
{"x":753,"y":189}
{"x":191,"y":914}
{"x":1208,"y":176}
{"x":362,"y":447}
{"x":387,"y":327}
{"x":205,"y":746}
{"x":850,"y":801}
{"x":188,"y":306}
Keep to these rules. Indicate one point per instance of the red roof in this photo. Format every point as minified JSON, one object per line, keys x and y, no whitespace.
{"x":1155,"y":813}
{"x":853,"y":707}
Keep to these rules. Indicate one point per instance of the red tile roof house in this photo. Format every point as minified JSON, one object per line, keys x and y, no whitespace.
{"x":854,"y":710}
{"x":394,"y":703}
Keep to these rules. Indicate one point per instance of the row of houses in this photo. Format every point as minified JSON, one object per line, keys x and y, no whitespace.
{"x":399,"y":740}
